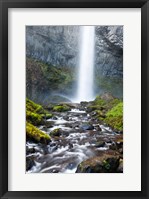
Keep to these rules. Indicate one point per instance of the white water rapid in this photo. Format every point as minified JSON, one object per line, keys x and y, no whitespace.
{"x":86,"y":65}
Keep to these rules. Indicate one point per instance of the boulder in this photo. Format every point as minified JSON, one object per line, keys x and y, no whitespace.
{"x":29,"y":163}
{"x":99,"y":164}
{"x":100,"y":144}
{"x":86,"y":126}
{"x":56,"y":132}
{"x":120,"y":167}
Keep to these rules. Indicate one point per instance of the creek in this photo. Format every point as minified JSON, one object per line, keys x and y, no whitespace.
{"x":80,"y":138}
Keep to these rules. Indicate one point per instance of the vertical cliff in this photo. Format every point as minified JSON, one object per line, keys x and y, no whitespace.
{"x":58,"y":46}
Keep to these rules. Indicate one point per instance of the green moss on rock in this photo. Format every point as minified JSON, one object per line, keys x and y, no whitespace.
{"x":34,"y":118}
{"x":35,"y":113}
{"x":56,"y":132}
{"x":114,"y":117}
{"x":33,"y":107}
{"x":109,"y":110}
{"x":61,"y":108}
{"x":36,"y":135}
{"x":106,"y":104}
{"x":99,"y":164}
{"x":99,"y":101}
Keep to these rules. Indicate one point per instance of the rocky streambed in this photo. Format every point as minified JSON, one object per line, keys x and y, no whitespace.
{"x":79,"y":144}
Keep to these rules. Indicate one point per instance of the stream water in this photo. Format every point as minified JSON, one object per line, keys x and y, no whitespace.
{"x":78,"y":141}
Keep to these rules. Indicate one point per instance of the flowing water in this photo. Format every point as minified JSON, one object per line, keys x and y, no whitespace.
{"x":86,"y":64}
{"x":75,"y":144}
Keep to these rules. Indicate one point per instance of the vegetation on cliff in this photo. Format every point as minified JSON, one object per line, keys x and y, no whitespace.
{"x":42,"y":80}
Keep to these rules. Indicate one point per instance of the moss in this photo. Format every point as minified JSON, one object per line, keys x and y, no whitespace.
{"x":34,"y":118}
{"x":61,"y":108}
{"x":106,"y":165}
{"x":35,"y":113}
{"x":114,"y":117}
{"x":94,"y":108}
{"x":56,"y":132}
{"x":31,"y":106}
{"x":100,"y":113}
{"x":49,"y":115}
{"x":99,"y":101}
{"x":35,"y":134}
{"x":109,"y":110}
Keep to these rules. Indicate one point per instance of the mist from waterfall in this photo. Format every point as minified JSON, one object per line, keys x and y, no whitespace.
{"x":85,"y":87}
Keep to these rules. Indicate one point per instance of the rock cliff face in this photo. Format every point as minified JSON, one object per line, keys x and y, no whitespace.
{"x":59,"y":46}
{"x":55,"y":45}
{"x":109,"y":51}
{"x":53,"y":59}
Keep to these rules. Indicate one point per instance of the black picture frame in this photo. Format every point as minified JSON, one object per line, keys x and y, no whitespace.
{"x":4,"y":6}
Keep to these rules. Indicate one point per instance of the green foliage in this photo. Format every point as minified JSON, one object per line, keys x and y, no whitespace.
{"x":61,"y":108}
{"x":35,"y":134}
{"x":114,"y":117}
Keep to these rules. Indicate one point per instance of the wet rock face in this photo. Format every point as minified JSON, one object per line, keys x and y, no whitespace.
{"x":56,"y":45}
{"x":109,"y":51}
{"x":59,"y":46}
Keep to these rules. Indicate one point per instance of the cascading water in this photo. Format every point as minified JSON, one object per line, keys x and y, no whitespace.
{"x":86,"y":64}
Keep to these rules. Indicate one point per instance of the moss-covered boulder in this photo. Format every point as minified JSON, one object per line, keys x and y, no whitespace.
{"x":61,"y":108}
{"x":34,"y":134}
{"x":33,"y":107}
{"x":56,"y":132}
{"x":100,"y":164}
{"x":105,"y":101}
{"x":114,"y":117}
{"x":35,"y":113}
{"x":34,"y":118}
{"x":47,"y":115}
{"x":109,"y":110}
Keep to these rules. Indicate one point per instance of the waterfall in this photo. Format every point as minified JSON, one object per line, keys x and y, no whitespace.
{"x":86,"y":64}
